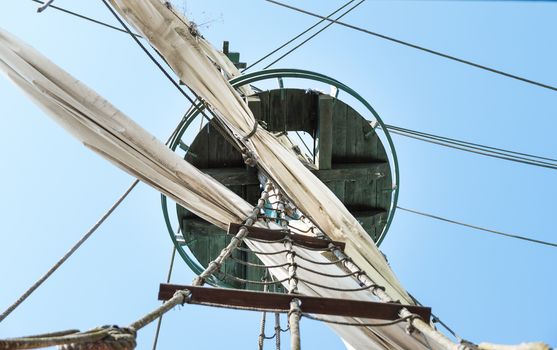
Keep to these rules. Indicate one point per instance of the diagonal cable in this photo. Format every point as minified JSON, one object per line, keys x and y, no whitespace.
{"x":421,"y":48}
{"x":69,"y":253}
{"x":78,"y":244}
{"x":486,"y":153}
{"x":478,"y":227}
{"x":472,"y":144}
{"x":96,"y":21}
{"x":315,"y":34}
{"x":297,"y":36}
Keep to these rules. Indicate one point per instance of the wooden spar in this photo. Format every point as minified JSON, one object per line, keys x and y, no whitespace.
{"x":280,"y":302}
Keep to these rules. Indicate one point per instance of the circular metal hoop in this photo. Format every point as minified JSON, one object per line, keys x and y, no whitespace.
{"x":278,"y":74}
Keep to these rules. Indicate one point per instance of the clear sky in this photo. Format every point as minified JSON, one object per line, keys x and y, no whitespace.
{"x":485,"y":287}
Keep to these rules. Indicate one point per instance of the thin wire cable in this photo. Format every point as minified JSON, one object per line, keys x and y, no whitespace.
{"x":262,"y":253}
{"x":421,"y":48}
{"x":155,"y":61}
{"x":82,"y":240}
{"x":468,"y":143}
{"x":243,"y":280}
{"x":477,"y":150}
{"x":492,"y":150}
{"x":304,"y":143}
{"x":509,"y":158}
{"x":61,"y":9}
{"x":337,"y":289}
{"x":334,"y":262}
{"x":436,"y":319}
{"x":168,"y":277}
{"x":262,"y":266}
{"x":478,"y":227}
{"x":69,"y":253}
{"x":328,"y":274}
{"x":297,"y":36}
{"x":314,"y":35}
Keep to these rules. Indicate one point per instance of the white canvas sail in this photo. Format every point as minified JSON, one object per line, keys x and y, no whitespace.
{"x":107,"y":131}
{"x":187,"y":54}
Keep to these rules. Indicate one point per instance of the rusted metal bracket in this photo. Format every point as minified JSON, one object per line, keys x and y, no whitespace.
{"x":278,"y":235}
{"x":278,"y":302}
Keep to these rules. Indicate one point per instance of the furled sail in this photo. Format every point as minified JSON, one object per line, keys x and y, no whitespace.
{"x":107,"y":131}
{"x":186,"y":52}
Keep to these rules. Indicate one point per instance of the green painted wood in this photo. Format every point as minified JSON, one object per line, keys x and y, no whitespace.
{"x":358,"y":173}
{"x":339,"y":133}
{"x":324,"y":149}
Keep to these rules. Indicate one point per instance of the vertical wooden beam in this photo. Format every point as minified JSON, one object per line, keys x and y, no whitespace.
{"x":324,"y":147}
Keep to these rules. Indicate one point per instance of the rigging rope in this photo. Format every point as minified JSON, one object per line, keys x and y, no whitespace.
{"x":448,"y":139}
{"x":478,"y":227}
{"x":168,"y":276}
{"x":82,"y":240}
{"x":61,"y":9}
{"x":332,"y":21}
{"x":297,"y":36}
{"x":326,"y":18}
{"x":421,"y":48}
{"x":69,"y":253}
{"x":409,"y":318}
{"x":157,"y":63}
{"x":475,"y":148}
{"x":113,"y":337}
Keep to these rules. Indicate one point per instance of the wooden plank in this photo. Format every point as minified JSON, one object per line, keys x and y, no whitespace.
{"x":337,"y":187}
{"x":279,"y":235}
{"x":254,"y":104}
{"x":281,"y":302}
{"x":339,"y":132}
{"x":301,"y":110}
{"x":352,"y":172}
{"x":368,"y":218}
{"x":352,"y":131}
{"x":324,"y":149}
{"x":345,"y":172}
{"x":234,"y":176}
{"x":277,"y":111}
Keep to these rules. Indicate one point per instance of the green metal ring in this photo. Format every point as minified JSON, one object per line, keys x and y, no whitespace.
{"x":271,"y":74}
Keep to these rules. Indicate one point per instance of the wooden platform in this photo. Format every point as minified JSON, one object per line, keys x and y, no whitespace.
{"x":348,"y":157}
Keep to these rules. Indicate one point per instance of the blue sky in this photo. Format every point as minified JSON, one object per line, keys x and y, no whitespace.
{"x":487,"y":288}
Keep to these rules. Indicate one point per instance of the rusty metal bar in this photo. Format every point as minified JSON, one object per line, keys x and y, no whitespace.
{"x":279,"y":235}
{"x":281,"y":303}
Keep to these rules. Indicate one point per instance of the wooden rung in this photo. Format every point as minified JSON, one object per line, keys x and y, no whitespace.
{"x":281,"y":303}
{"x":278,"y":235}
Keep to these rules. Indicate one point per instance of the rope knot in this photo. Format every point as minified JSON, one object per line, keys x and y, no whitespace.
{"x":185,"y":294}
{"x":116,"y":338}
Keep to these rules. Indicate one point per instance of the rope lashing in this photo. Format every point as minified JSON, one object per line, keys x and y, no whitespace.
{"x":116,"y":339}
{"x":379,"y":291}
{"x":253,"y":130}
{"x":277,"y":330}
{"x":291,"y":258}
{"x":236,"y":240}
{"x":102,"y":338}
{"x":262,"y":336}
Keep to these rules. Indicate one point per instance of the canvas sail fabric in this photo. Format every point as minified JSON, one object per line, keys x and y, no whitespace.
{"x":107,"y":131}
{"x":186,"y":52}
